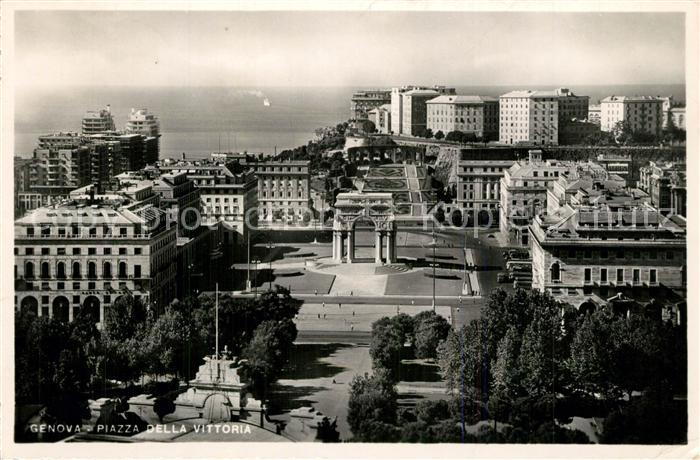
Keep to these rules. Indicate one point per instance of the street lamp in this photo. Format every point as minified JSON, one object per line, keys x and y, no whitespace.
{"x":255,"y":277}
{"x":433,"y":243}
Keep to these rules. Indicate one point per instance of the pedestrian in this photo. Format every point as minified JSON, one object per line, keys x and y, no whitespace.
{"x":353,"y":313}
{"x":338,"y":305}
{"x":319,"y":316}
{"x":315,"y":291}
{"x":324,"y":316}
{"x":352,"y":327}
{"x":324,"y":304}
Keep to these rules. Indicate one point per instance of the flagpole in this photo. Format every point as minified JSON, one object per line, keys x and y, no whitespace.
{"x":216,"y":314}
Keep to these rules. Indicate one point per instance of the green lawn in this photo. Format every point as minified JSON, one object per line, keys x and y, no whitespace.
{"x":420,"y":283}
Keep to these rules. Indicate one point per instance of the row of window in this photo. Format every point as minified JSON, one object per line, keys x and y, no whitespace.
{"x":76,"y":271}
{"x":61,"y":251}
{"x":620,"y":275}
{"x":75,"y":231}
{"x":605,"y":253}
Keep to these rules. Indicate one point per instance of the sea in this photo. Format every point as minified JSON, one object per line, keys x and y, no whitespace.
{"x":197,"y":121}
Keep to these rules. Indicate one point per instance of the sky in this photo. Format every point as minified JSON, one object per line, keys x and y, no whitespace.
{"x":58,"y":48}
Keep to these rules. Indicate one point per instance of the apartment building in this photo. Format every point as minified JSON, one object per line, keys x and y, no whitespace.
{"x":655,"y":178}
{"x":590,"y":256}
{"x":478,"y":193}
{"x":228,"y":191}
{"x":283,"y":191}
{"x":530,"y":117}
{"x":523,"y":193}
{"x":98,"y":121}
{"x":362,"y":102}
{"x":469,"y":114}
{"x":637,"y":113}
{"x":397,"y":104}
{"x":381,"y":117}
{"x":85,"y":254}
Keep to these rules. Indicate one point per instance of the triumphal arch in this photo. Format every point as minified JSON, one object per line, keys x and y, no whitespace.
{"x":353,"y":207}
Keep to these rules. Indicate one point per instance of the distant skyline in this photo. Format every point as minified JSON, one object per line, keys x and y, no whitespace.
{"x":59,"y":48}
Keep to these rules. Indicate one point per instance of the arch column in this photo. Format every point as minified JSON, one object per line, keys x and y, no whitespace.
{"x":377,"y":247}
{"x":390,"y":247}
{"x":337,"y":246}
{"x":351,"y":245}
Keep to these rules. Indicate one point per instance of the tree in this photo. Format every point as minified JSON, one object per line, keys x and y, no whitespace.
{"x":429,"y":332}
{"x":506,"y":371}
{"x":592,"y":354}
{"x":456,"y":218}
{"x":163,"y":406}
{"x":439,"y":135}
{"x":373,"y":400}
{"x":464,"y":363}
{"x":428,"y":133}
{"x":653,"y":418}
{"x":125,"y":327}
{"x":268,"y":353}
{"x":440,"y":215}
{"x":386,"y":345}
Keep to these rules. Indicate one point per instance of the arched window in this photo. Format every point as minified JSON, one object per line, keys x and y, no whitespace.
{"x":61,"y":270}
{"x":122,"y":270}
{"x":555,"y":271}
{"x":92,"y":270}
{"x":29,"y":270}
{"x":45,"y":270}
{"x":107,"y":270}
{"x":76,"y":270}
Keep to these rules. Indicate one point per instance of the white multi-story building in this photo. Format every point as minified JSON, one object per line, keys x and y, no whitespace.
{"x":529,"y":117}
{"x":398,"y":125}
{"x":637,"y":113}
{"x":283,"y":190}
{"x":86,"y":254}
{"x":469,"y":114}
{"x":381,"y":117}
{"x":142,"y":122}
{"x":98,"y":121}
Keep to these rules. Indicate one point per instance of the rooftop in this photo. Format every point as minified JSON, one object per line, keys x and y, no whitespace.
{"x":631,"y":99}
{"x":530,"y":94}
{"x":449,"y":99}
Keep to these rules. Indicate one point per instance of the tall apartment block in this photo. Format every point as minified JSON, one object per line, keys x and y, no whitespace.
{"x":283,"y":190}
{"x":397,"y":104}
{"x":469,"y":114}
{"x":142,"y":122}
{"x":538,"y":117}
{"x":98,"y":121}
{"x":637,"y":113}
{"x":529,"y":117}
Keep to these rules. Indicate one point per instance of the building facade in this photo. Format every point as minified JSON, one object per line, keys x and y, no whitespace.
{"x":571,"y":106}
{"x":415,"y":111}
{"x":655,"y":179}
{"x":397,"y":104}
{"x":530,"y":117}
{"x":283,"y":191}
{"x":469,"y":114}
{"x":87,"y":254}
{"x":677,"y":115}
{"x":594,"y":114}
{"x":589,"y":256}
{"x":638,"y":114}
{"x":98,"y":121}
{"x":363,"y":101}
{"x":228,"y":191}
{"x":478,"y":193}
{"x":381,"y":117}
{"x":523,"y":193}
